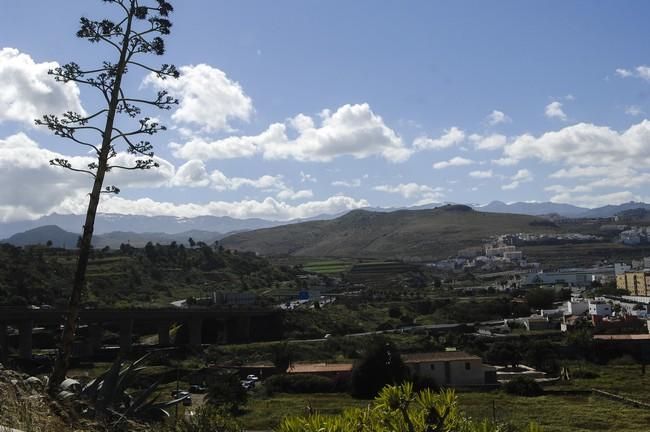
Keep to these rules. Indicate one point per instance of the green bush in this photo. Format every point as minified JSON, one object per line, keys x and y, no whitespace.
{"x":299,"y":383}
{"x":523,"y":386}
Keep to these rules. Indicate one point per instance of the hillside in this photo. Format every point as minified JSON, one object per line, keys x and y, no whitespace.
{"x":150,"y":276}
{"x":427,"y":234}
{"x":43,"y":234}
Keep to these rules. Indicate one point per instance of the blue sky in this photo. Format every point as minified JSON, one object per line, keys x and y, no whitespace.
{"x":291,"y":109}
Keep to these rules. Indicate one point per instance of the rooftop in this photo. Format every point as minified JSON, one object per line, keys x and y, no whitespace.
{"x":438,"y":356}
{"x":319,"y":367}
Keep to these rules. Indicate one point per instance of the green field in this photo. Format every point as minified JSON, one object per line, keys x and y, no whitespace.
{"x":327,"y":267}
{"x":556,"y":411}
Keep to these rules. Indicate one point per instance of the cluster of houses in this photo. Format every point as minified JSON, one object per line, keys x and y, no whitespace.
{"x":492,"y":255}
{"x":606,"y":314}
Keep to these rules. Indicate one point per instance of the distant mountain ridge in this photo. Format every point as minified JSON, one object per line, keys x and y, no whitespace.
{"x":165,"y":227}
{"x":422,"y":234}
{"x":64,"y":239}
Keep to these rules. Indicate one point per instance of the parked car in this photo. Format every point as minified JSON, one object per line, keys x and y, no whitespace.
{"x":179,"y":393}
{"x":248,"y":384}
{"x":197,"y":389}
{"x":252,"y":377}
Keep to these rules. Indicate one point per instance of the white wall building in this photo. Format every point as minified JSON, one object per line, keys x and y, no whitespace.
{"x":577,"y":307}
{"x":600,"y":308}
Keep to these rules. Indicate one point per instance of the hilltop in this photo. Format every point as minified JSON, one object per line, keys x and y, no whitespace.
{"x":427,"y":234}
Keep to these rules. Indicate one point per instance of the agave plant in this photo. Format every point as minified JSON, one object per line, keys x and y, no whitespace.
{"x":400,"y":409}
{"x":107,"y":396}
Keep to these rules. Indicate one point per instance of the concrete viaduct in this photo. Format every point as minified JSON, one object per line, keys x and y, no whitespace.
{"x":234,"y":324}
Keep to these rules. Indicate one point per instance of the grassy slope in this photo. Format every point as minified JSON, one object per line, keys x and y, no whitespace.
{"x":427,"y":234}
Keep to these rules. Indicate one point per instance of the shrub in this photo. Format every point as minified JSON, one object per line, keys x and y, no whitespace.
{"x":523,"y":386}
{"x":299,"y":383}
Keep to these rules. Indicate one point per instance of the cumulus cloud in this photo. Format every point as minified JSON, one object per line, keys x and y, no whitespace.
{"x":554,"y":111}
{"x":451,"y":137}
{"x":497,"y":117}
{"x":208,"y":98}
{"x":453,"y":162}
{"x":268,"y":208}
{"x":423,"y":193}
{"x":585,"y":144}
{"x":642,"y":72}
{"x":353,"y":130}
{"x":28,"y":92}
{"x":32,"y":187}
{"x":522,"y":176}
{"x":490,"y":142}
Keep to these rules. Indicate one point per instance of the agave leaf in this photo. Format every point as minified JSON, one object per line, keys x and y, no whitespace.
{"x":108,"y":387}
{"x":170,"y":403}
{"x":139,"y":402}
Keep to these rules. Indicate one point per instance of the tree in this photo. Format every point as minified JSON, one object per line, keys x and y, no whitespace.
{"x":225,"y":390}
{"x":382,"y":365}
{"x":136,"y":32}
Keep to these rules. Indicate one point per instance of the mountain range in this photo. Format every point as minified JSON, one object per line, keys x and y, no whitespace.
{"x":113,"y":229}
{"x":425,"y":234}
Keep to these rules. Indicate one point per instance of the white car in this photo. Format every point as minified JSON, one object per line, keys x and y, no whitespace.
{"x":252,"y":377}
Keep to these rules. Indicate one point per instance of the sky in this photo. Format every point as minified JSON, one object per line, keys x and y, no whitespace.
{"x":292,"y":109}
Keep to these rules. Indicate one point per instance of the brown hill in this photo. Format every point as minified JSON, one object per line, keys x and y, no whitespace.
{"x":427,"y":234}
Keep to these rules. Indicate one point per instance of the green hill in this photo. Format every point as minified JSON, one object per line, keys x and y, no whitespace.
{"x":425,"y":234}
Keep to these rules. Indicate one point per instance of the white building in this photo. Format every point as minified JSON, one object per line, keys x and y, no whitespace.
{"x":450,"y":368}
{"x":600,"y":308}
{"x":577,"y":307}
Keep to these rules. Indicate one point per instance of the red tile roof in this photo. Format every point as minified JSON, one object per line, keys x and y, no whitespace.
{"x":438,"y":356}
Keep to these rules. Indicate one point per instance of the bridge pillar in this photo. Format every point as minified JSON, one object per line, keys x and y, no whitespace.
{"x":238,"y":329}
{"x":25,"y":329}
{"x":126,"y":335}
{"x":95,"y":332}
{"x":4,"y":345}
{"x":163,"y":333}
{"x":196,"y":332}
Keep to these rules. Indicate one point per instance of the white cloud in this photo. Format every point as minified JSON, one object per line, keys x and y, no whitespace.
{"x":28,"y":92}
{"x":586,"y":144}
{"x":642,"y":72}
{"x":33,"y":187}
{"x":497,"y":117}
{"x":191,"y":174}
{"x":481,"y":174}
{"x":354,"y":183}
{"x":290,"y":194}
{"x":581,"y":171}
{"x":554,"y":110}
{"x":522,"y":176}
{"x":624,"y":73}
{"x":208,"y":98}
{"x":268,"y":208}
{"x":304,"y":177}
{"x":456,"y":161}
{"x":451,"y":137}
{"x":490,"y":142}
{"x":597,"y":200}
{"x":633,"y":111}
{"x":353,"y":130}
{"x":412,"y":190}
{"x":506,"y":161}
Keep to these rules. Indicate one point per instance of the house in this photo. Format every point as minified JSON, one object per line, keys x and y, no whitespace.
{"x":600,"y":308}
{"x":577,"y":307}
{"x":329,"y":370}
{"x":450,"y":368}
